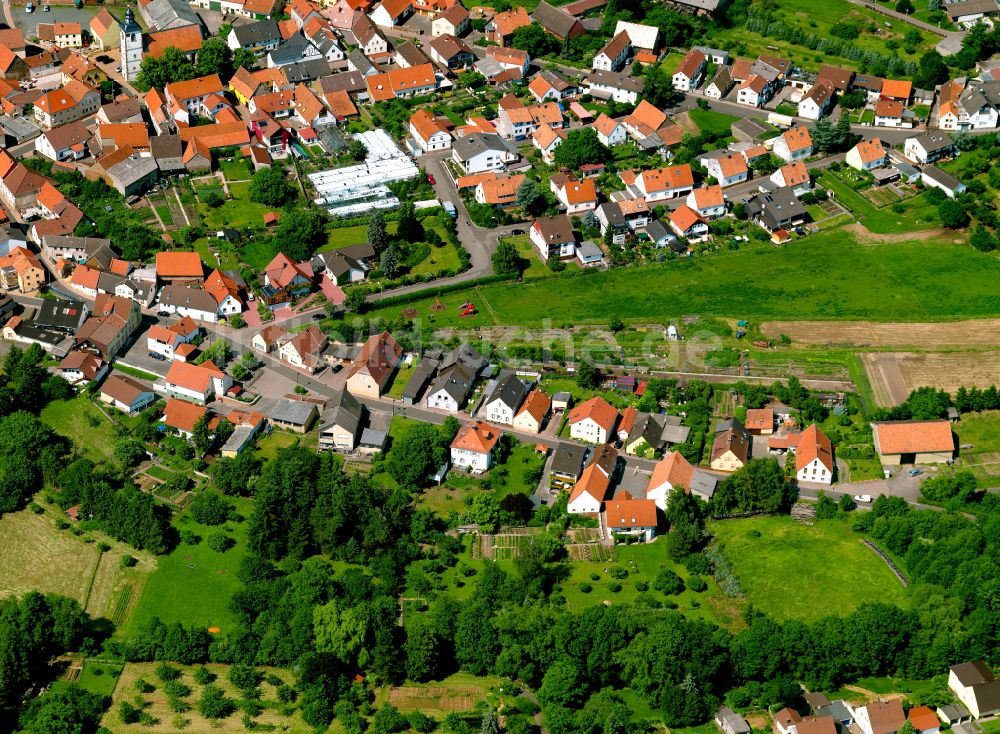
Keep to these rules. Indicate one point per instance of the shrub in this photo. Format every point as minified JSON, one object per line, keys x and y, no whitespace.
{"x":642,"y":586}
{"x":220,"y":542}
{"x":696,"y":583}
{"x":614,"y":587}
{"x":203,"y":676}
{"x":167,"y":673}
{"x":129,"y":561}
{"x":618,"y":572}
{"x":667,"y":582}
{"x":584,"y":587}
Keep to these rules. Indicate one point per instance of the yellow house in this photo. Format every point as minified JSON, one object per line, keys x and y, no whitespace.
{"x":105,"y":31}
{"x":374,"y":366}
{"x":21,"y":270}
{"x":731,"y":447}
{"x":532,"y":414}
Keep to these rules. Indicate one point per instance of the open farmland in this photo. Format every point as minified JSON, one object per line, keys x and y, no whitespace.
{"x":969,"y":333}
{"x":458,"y":693}
{"x":894,"y":375}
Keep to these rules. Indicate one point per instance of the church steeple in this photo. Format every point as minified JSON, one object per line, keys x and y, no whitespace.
{"x":131,"y":46}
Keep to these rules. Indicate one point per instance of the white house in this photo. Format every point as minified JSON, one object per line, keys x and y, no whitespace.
{"x":867,"y":155}
{"x":631,"y":517}
{"x":817,"y":101}
{"x":503,"y":402}
{"x":965,"y":108}
{"x":574,"y":196}
{"x":590,"y":489}
{"x":553,"y":236}
{"x":755,"y":91}
{"x":719,"y":86}
{"x":474,"y":447}
{"x":934,"y":177}
{"x":880,"y":717}
{"x":450,"y":389}
{"x":794,"y":144}
{"x":814,"y":456}
{"x":610,"y":132}
{"x":890,"y":113}
{"x":689,"y":72}
{"x":660,"y":183}
{"x":708,"y":201}
{"x":196,"y":382}
{"x":479,"y":152}
{"x":794,"y":176}
{"x":126,"y":393}
{"x":614,"y":55}
{"x":672,"y":471}
{"x":429,"y":132}
{"x":728,"y":170}
{"x":593,"y":420}
{"x":929,"y":147}
{"x":166,"y":340}
{"x":185,"y":300}
{"x":977,"y":687}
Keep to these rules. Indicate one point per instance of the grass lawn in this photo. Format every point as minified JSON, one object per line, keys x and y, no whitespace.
{"x":456,"y":693}
{"x":78,"y":419}
{"x":99,"y":678}
{"x":981,"y":432}
{"x":346,"y":236}
{"x":709,"y":121}
{"x":536,"y":267}
{"x":649,"y":558}
{"x":271,"y":719}
{"x":437,"y":259}
{"x":847,"y":280}
{"x":403,"y":375}
{"x":226,"y":261}
{"x":257,"y":254}
{"x":268,"y":447}
{"x":552,"y":385}
{"x":193,"y":583}
{"x":137,"y":373}
{"x":918,"y":214}
{"x":236,"y":212}
{"x":235,"y":170}
{"x":828,"y":558}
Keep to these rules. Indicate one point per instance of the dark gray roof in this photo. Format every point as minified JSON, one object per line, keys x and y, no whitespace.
{"x":291,"y":51}
{"x":611,"y":213}
{"x":343,"y":410}
{"x":107,"y":282}
{"x":295,"y":412}
{"x":568,"y":459}
{"x":411,"y":54}
{"x":422,"y":375}
{"x":101,"y":258}
{"x":476,"y":143}
{"x":775,"y":207}
{"x":260,"y":33}
{"x":466,"y":356}
{"x":336,"y":262}
{"x":306,"y":71}
{"x":751,"y":127}
{"x":942,"y":177}
{"x":375,"y":435}
{"x":456,"y":381}
{"x":60,"y":314}
{"x":89,"y":245}
{"x":346,"y":81}
{"x":362,"y":251}
{"x":933,"y":141}
{"x":361,"y":63}
{"x":617,"y":80}
{"x":509,"y":390}
{"x":954,"y":712}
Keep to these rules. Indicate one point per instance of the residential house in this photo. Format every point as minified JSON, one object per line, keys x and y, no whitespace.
{"x":498,"y":192}
{"x":818,"y":101}
{"x":450,"y":52}
{"x":614,"y":54}
{"x":759,"y":421}
{"x":557,"y":22}
{"x":548,"y":86}
{"x":200,"y":383}
{"x":190,"y":96}
{"x":172,"y":341}
{"x":730,"y":722}
{"x":617,"y":86}
{"x":755,"y":91}
{"x":914,"y":442}
{"x":429,"y":132}
{"x":890,"y":113}
{"x":688,"y":74}
{"x":794,"y":144}
{"x":283,"y":277}
{"x":567,"y":464}
{"x":455,"y":21}
{"x":73,"y":101}
{"x":641,"y":432}
{"x":659,"y":184}
{"x":929,"y":147}
{"x":976,"y":686}
{"x":590,"y":490}
{"x":721,"y":83}
{"x":962,"y":107}
{"x":673,"y":471}
{"x":776,"y":210}
{"x":303,"y":349}
{"x":113,"y":321}
{"x":126,"y":393}
{"x":593,"y":420}
{"x":374,"y":366}
{"x":187,"y":300}
{"x":12,"y":66}
{"x":708,"y":201}
{"x":646,"y":37}
{"x":880,"y":717}
{"x":553,"y":236}
{"x":500,"y":28}
{"x":478,"y":152}
{"x":727,"y":169}
{"x":546,"y":140}
{"x":179,"y":267}
{"x":474,"y":447}
{"x":969,"y":12}
{"x":531,"y":416}
{"x":688,"y":223}
{"x":341,"y":423}
{"x":631,"y":517}
{"x":867,"y":155}
{"x":574,"y":196}
{"x":226,"y":292}
{"x":520,"y":122}
{"x":20,"y":270}
{"x":259,"y":37}
{"x":936,"y":178}
{"x":793,"y":175}
{"x":451,"y":388}
{"x":502,"y":404}
{"x":731,"y":447}
{"x":391,"y":13}
{"x":610,"y":132}
{"x":785,"y":720}
{"x":340,"y":268}
{"x":813,"y":455}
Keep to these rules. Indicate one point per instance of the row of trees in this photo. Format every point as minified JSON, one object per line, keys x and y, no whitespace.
{"x":173,"y":65}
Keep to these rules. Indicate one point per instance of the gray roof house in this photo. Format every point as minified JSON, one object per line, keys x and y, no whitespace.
{"x":778,"y":209}
{"x":341,"y":423}
{"x":730,"y":722}
{"x":262,"y":35}
{"x":421,"y":377}
{"x":295,"y":415}
{"x":508,"y":393}
{"x":451,"y":388}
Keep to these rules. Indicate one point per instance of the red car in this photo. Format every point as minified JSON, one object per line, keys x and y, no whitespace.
{"x":430,"y":179}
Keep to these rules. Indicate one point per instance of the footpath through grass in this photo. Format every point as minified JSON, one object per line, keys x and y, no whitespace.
{"x":825,"y":276}
{"x":794,"y":571}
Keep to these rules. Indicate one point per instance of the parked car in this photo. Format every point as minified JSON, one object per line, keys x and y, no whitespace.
{"x":318,"y":316}
{"x":162,"y":313}
{"x":516,"y":232}
{"x":863,"y":498}
{"x":430,"y":179}
{"x":914,"y":472}
{"x":157,"y":356}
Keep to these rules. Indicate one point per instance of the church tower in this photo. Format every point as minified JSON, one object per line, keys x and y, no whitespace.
{"x":131,"y":46}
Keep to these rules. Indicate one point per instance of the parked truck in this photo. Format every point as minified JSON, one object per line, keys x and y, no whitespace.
{"x":450,"y":208}
{"x":783,"y":121}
